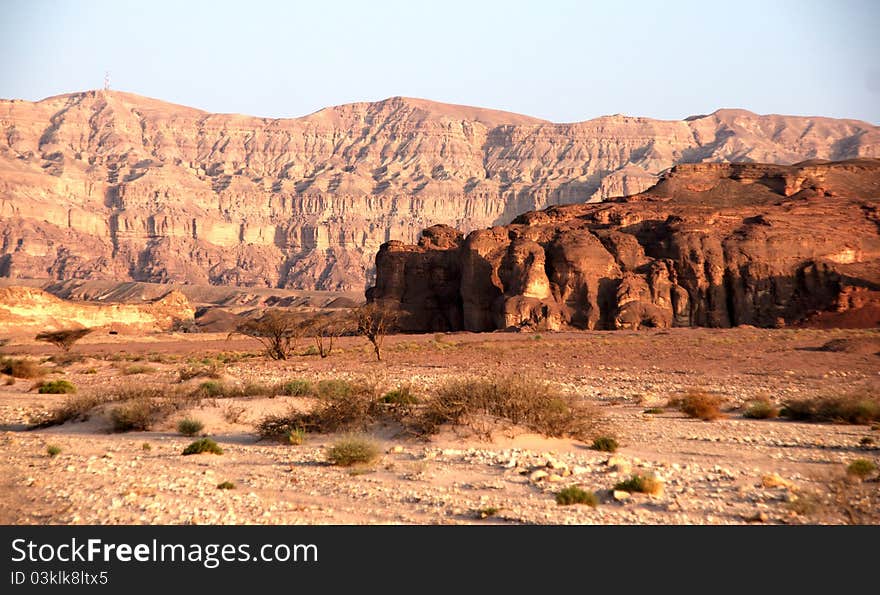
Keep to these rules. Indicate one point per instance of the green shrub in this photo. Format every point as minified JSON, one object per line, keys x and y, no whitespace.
{"x":253,"y":389}
{"x":189,"y":427}
{"x":146,"y":446}
{"x":90,"y":371}
{"x":605,"y":444}
{"x":335,"y":389}
{"x":203,"y":445}
{"x":213,"y":388}
{"x":861,"y":468}
{"x":352,"y":450}
{"x":654,"y":410}
{"x":218,"y":389}
{"x":226,"y":485}
{"x":134,"y":369}
{"x":640,"y":484}
{"x":400,"y":396}
{"x":57,"y":387}
{"x":53,"y":450}
{"x":298,"y":388}
{"x":761,"y":409}
{"x":575,"y":495}
{"x":489,"y":511}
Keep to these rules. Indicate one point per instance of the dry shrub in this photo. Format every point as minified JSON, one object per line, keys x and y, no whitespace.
{"x":643,"y":484}
{"x":21,"y":368}
{"x":232,"y":413}
{"x":375,"y":322}
{"x":77,"y":407}
{"x":838,"y":499}
{"x":226,"y":390}
{"x":347,"y":405}
{"x":847,"y":408}
{"x":140,"y":406}
{"x":278,"y":330}
{"x":212,"y":369}
{"x":135,"y":369}
{"x":297,"y":388}
{"x":699,"y":404}
{"x":137,"y":415}
{"x":66,"y":358}
{"x":523,"y":402}
{"x":355,"y":407}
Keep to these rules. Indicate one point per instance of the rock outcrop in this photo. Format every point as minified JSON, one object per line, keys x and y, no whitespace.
{"x":714,"y":245}
{"x":28,"y":310}
{"x":110,"y":185}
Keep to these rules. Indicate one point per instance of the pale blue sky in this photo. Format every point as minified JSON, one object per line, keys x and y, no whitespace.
{"x":560,"y":60}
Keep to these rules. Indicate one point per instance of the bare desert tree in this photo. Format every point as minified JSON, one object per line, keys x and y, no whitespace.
{"x":278,"y":330}
{"x":374,"y":322}
{"x":65,"y":338}
{"x":326,"y":327}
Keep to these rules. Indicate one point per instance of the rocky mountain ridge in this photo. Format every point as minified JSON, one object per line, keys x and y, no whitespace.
{"x":111,"y":185}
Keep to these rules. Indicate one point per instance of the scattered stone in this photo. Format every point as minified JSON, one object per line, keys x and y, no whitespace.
{"x":774,"y":480}
{"x":538,"y":475}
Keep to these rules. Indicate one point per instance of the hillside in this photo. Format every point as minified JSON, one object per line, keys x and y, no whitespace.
{"x":106,"y":185}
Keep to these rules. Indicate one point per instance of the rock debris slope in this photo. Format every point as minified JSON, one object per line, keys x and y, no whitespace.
{"x":111,"y":185}
{"x":713,"y":245}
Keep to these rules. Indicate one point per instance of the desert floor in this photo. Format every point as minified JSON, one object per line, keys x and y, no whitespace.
{"x":731,"y":470}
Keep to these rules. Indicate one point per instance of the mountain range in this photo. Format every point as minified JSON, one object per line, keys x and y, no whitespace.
{"x":112,"y":185}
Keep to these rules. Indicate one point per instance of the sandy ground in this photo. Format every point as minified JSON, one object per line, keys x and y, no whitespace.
{"x":732,"y":470}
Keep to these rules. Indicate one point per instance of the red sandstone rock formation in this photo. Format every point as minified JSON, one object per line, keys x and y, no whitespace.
{"x":710,"y":245}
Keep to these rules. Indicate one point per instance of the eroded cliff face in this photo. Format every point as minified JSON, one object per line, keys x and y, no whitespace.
{"x":110,"y":185}
{"x":28,"y":310}
{"x":712,"y":245}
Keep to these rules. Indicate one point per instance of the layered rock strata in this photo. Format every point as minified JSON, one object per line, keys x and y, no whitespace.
{"x":105,"y":185}
{"x":713,"y":245}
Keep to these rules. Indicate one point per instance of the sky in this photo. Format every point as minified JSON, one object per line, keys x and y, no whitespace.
{"x":555,"y":59}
